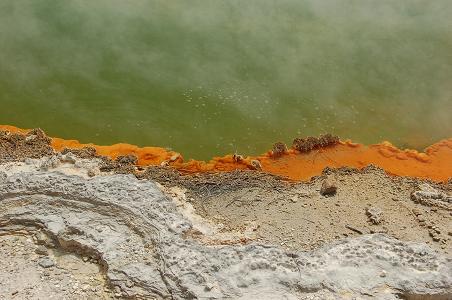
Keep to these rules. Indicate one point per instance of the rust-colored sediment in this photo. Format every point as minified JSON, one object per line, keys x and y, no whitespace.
{"x":145,"y":155}
{"x":435,"y":163}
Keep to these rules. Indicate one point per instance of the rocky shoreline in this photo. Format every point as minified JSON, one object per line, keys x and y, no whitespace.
{"x":81,"y":226}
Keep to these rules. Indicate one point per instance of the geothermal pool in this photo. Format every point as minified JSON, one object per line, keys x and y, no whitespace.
{"x":207,"y":78}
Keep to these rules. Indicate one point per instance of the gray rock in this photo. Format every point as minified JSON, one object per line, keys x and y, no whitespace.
{"x":427,"y":195}
{"x":49,"y":163}
{"x":69,"y":158}
{"x":375,"y":215}
{"x":46,"y":262}
{"x":42,"y":239}
{"x":29,"y":161}
{"x":3,"y":176}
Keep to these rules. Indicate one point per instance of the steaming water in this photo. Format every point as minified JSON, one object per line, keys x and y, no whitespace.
{"x":212,"y":77}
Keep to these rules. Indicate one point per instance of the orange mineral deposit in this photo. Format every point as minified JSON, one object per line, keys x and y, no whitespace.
{"x":434,"y":163}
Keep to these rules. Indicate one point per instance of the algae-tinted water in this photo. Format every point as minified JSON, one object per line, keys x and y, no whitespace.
{"x":212,"y":77}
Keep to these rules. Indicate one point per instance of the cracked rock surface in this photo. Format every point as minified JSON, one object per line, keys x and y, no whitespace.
{"x":138,"y":237}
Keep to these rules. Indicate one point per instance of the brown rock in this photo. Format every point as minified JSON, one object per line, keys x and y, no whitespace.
{"x":237,"y":158}
{"x":174,"y":157}
{"x":328,"y":187}
{"x":256,"y":164}
{"x":129,"y":159}
{"x":41,"y":250}
{"x":311,"y":143}
{"x":416,"y":211}
{"x":420,"y":218}
{"x":279,"y":149}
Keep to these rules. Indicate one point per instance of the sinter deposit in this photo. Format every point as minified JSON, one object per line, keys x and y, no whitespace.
{"x":150,"y":245}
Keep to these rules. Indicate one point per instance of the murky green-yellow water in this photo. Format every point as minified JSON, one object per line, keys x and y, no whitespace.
{"x":207,"y":78}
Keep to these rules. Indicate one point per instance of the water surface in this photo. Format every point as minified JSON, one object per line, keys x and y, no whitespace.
{"x":207,"y":78}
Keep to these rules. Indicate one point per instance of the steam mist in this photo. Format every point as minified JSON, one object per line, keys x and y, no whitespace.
{"x":212,"y":77}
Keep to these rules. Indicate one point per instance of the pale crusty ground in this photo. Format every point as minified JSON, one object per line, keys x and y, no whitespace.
{"x":152,"y":246}
{"x":299,"y":217}
{"x":71,"y":277}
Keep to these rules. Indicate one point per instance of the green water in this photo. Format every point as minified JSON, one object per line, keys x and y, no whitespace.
{"x":212,"y":77}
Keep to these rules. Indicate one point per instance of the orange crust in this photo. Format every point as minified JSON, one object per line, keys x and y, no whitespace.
{"x":435,"y":163}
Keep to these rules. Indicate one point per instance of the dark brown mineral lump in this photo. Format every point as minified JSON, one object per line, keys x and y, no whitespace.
{"x":311,"y":143}
{"x":328,"y":187}
{"x":279,"y":149}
